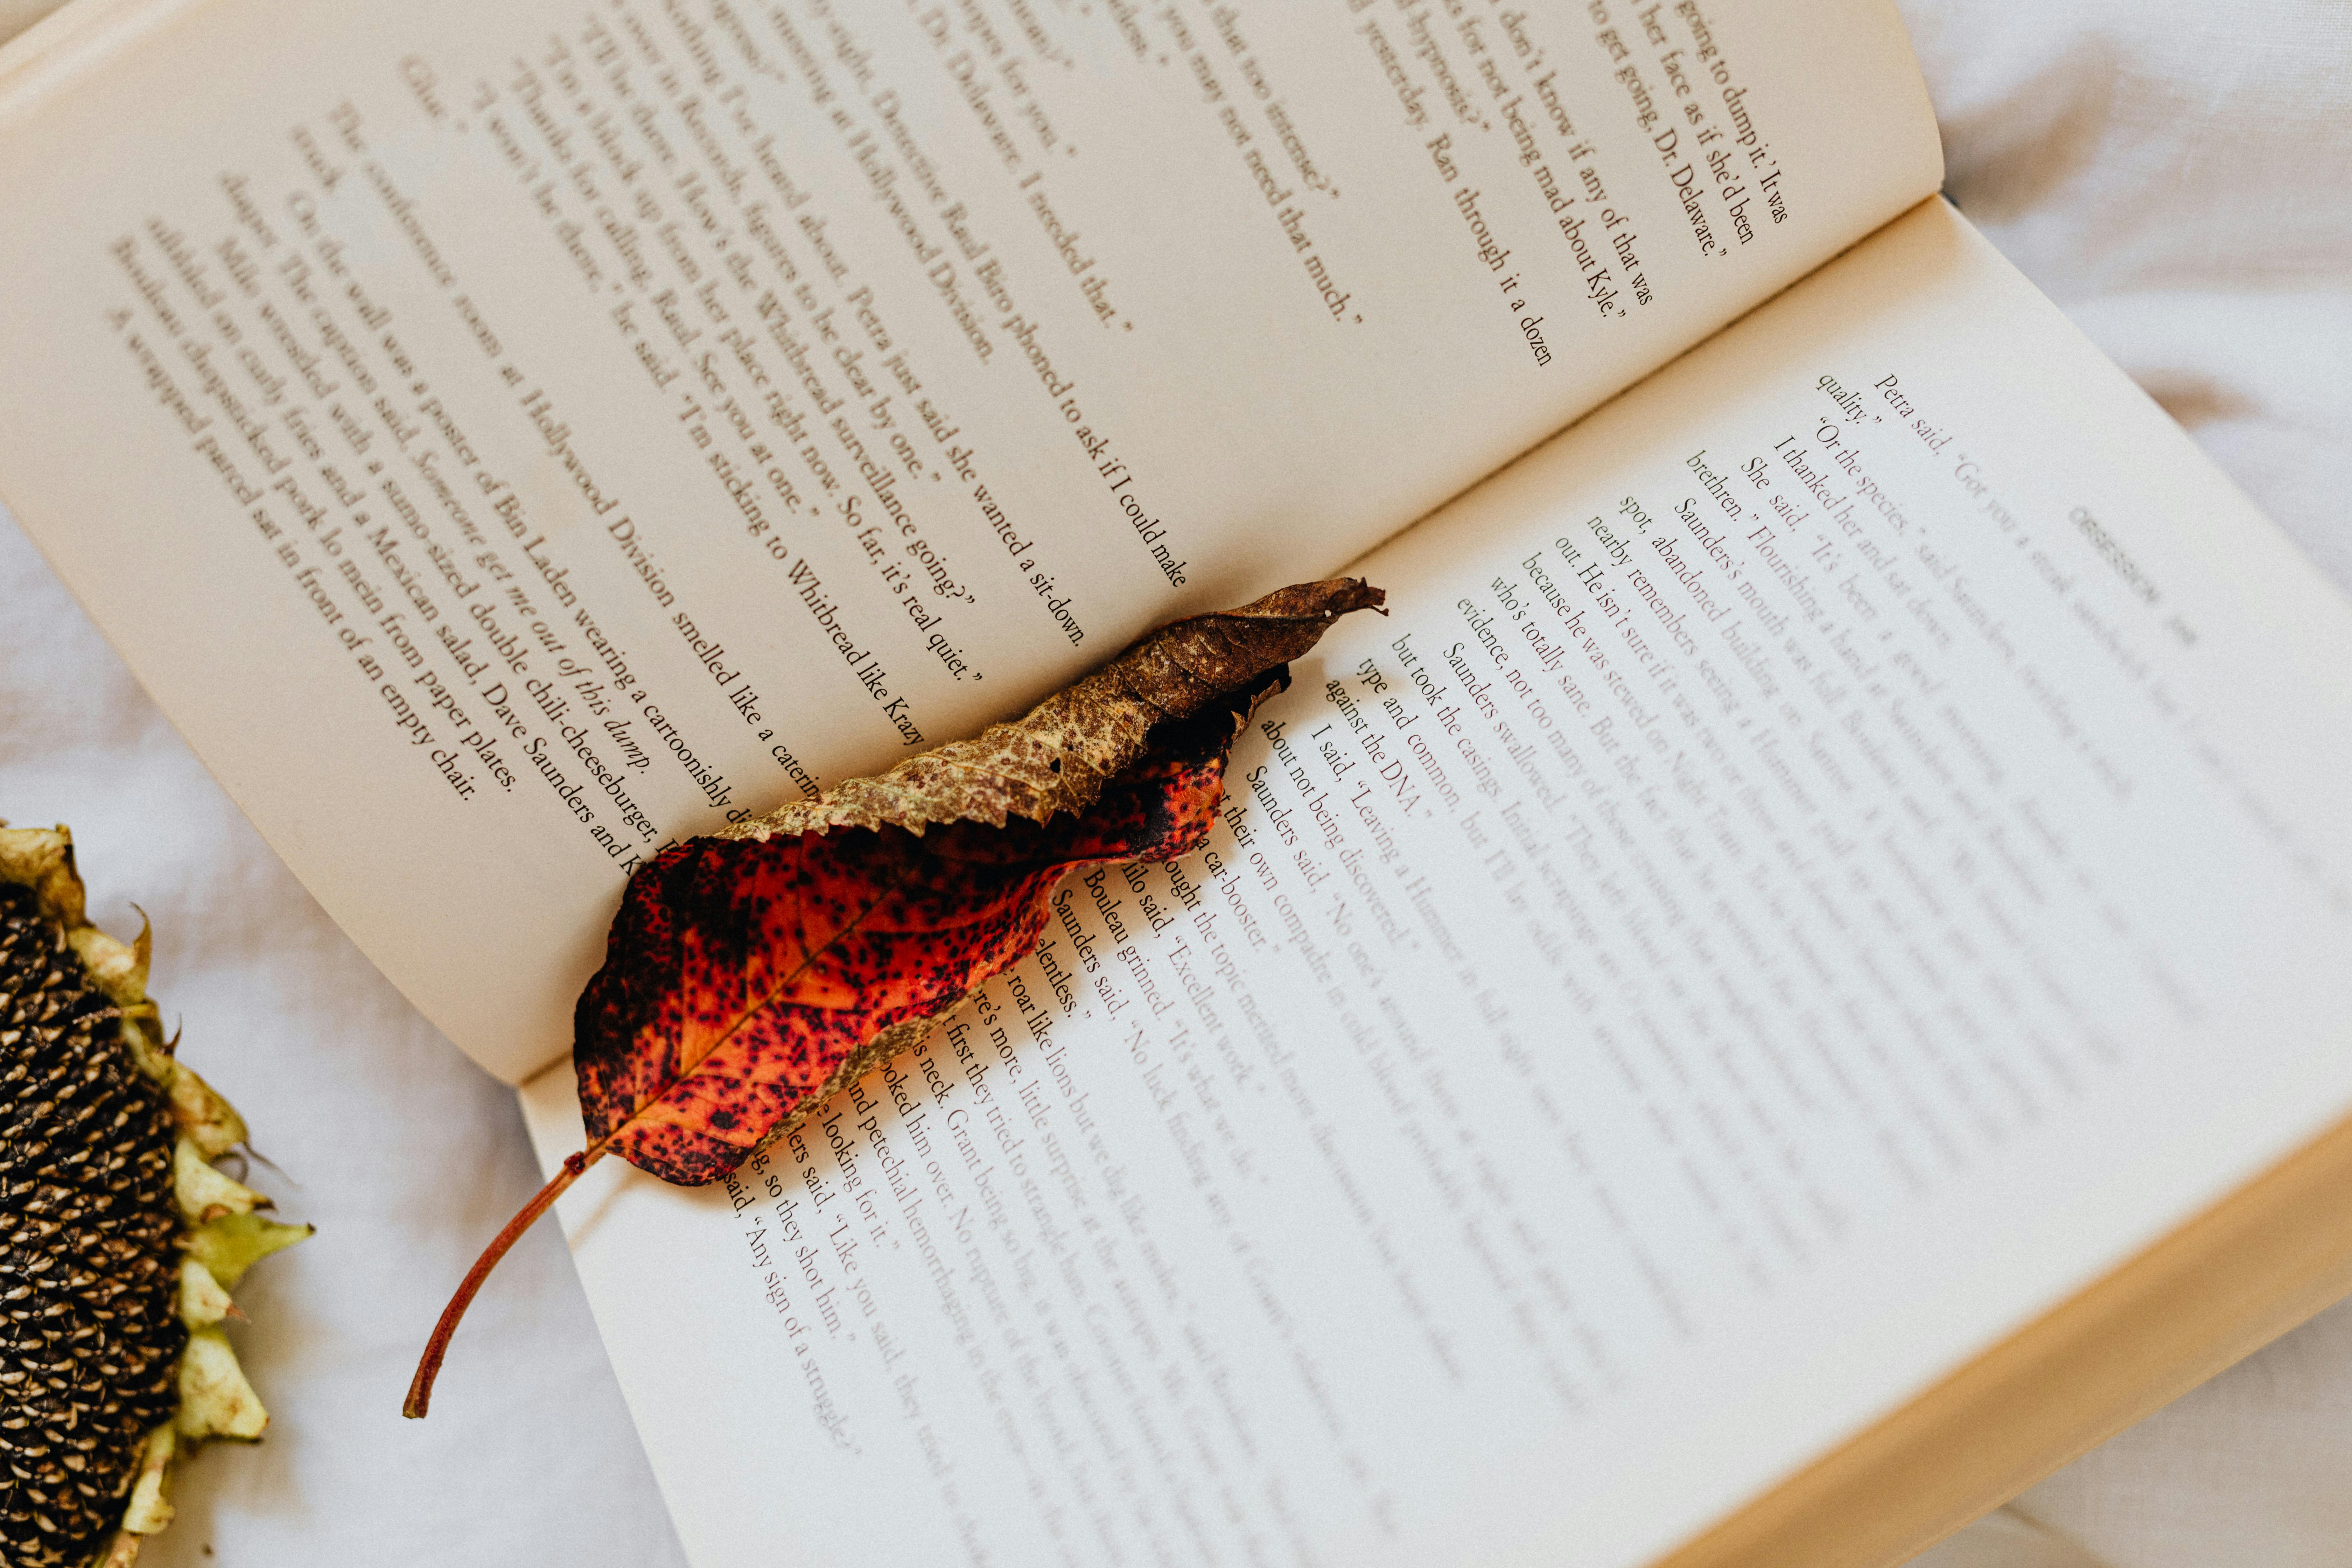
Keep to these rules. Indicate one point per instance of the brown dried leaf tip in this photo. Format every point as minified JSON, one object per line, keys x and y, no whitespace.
{"x":1061,"y":754}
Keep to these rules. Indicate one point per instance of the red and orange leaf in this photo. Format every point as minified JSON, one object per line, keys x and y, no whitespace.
{"x":749,"y":976}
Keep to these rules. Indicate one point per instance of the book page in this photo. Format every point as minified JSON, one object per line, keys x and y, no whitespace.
{"x":1824,"y":859}
{"x":508,"y":437}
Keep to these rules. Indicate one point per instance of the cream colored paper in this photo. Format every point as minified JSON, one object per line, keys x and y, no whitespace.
{"x":752,"y":393}
{"x":1646,"y":1014}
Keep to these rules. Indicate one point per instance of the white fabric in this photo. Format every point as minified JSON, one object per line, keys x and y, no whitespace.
{"x":2007,"y":1540}
{"x":2177,"y":175}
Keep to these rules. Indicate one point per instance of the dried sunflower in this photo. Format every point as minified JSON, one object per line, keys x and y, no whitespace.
{"x":119,"y":1238}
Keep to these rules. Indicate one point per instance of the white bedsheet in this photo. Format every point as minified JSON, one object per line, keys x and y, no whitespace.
{"x":2177,"y":175}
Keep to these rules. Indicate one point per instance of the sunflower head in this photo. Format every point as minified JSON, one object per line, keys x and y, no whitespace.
{"x":119,"y":1238}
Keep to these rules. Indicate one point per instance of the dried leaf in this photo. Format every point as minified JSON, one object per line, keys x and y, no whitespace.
{"x":749,"y":976}
{"x":744,"y":972}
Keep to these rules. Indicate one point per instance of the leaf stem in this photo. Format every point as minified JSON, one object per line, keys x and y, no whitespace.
{"x":428,"y":1366}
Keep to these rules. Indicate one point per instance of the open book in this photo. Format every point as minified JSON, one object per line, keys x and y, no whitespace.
{"x":1803,"y":973}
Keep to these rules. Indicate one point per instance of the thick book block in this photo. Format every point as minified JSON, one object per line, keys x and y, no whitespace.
{"x":2262,"y":1261}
